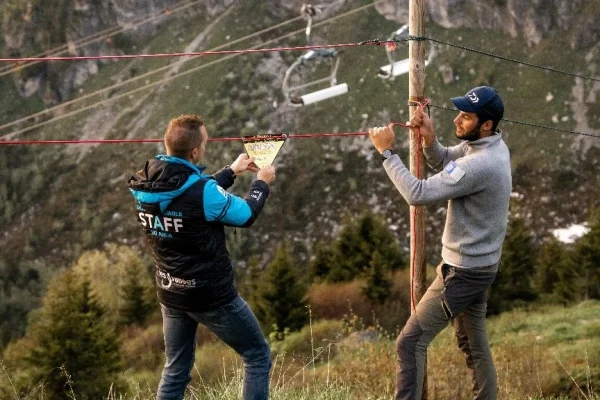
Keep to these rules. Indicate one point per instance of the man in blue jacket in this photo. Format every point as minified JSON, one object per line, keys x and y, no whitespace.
{"x":183,"y":213}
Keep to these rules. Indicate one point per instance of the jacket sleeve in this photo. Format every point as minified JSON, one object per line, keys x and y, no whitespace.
{"x":224,"y":207}
{"x":225,"y":177}
{"x":456,"y":180}
{"x":437,"y":156}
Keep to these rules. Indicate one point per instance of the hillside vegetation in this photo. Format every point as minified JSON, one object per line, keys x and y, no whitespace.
{"x":58,"y":202}
{"x":545,"y":353}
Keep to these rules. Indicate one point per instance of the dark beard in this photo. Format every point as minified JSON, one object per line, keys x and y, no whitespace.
{"x":473,"y":134}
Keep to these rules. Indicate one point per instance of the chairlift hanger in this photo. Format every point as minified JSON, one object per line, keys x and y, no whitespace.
{"x":396,"y":68}
{"x":312,"y":56}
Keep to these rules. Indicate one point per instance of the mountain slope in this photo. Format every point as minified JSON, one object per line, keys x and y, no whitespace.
{"x":60,"y":200}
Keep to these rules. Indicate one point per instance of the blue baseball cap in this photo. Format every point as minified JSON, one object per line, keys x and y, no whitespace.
{"x":481,"y":99}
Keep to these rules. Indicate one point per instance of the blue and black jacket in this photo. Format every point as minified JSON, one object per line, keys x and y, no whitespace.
{"x":183,"y":213}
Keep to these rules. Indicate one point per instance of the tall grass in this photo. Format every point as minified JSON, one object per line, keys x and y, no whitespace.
{"x":343,"y":360}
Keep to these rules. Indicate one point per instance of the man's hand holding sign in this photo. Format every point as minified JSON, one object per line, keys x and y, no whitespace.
{"x":262,"y":150}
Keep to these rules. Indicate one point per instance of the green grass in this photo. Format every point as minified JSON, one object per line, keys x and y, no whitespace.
{"x":319,"y":181}
{"x":329,"y":360}
{"x":533,"y":360}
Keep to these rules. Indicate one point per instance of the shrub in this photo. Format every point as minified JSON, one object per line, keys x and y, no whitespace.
{"x":347,"y":300}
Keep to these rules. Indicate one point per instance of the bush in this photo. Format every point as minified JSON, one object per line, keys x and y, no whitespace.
{"x":347,"y":300}
{"x":143,"y":348}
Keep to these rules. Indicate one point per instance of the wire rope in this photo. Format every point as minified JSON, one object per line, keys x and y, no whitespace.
{"x":89,"y":40}
{"x":172,"y":77}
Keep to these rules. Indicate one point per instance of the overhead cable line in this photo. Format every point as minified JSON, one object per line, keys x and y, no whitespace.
{"x":95,"y":38}
{"x":550,"y":128}
{"x":488,"y":54}
{"x":234,"y":53}
{"x":275,"y":136}
{"x":195,"y":69}
{"x":193,"y":54}
{"x":224,"y":139}
{"x":108,"y":32}
{"x":376,"y":42}
{"x":56,"y":50}
{"x":136,"y":78}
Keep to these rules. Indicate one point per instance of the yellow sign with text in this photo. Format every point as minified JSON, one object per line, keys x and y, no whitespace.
{"x":264,"y":148}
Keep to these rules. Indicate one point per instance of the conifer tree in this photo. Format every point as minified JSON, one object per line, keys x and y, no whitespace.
{"x":108,"y":271}
{"x":281,"y":299}
{"x":250,"y":284}
{"x":555,"y":275}
{"x":586,"y":259}
{"x":567,"y":288}
{"x":513,"y":284}
{"x":350,"y":255}
{"x":75,"y":347}
{"x":326,"y":256}
{"x":136,"y":304}
{"x":378,"y":286}
{"x":550,"y":259}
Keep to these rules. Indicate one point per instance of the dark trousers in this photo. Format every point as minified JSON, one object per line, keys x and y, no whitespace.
{"x":458,"y":294}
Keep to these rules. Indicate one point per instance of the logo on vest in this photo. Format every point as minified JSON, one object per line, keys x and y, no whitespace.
{"x":165,"y":280}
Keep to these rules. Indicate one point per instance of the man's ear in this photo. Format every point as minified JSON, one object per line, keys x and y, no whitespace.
{"x":487,"y":125}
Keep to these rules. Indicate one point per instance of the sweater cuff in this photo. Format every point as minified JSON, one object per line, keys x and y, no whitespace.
{"x":434,"y":153}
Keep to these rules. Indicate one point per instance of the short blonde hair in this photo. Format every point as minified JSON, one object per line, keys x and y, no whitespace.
{"x":183,"y":135}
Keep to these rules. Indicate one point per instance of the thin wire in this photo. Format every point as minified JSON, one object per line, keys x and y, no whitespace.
{"x":121,"y":141}
{"x":36,"y":60}
{"x":488,"y":54}
{"x":186,"y":54}
{"x":111,"y":31}
{"x":134,"y":79}
{"x":375,"y":42}
{"x":59,"y":49}
{"x":531,"y":124}
{"x":169,"y":78}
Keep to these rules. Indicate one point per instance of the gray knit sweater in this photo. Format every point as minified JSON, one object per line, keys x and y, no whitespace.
{"x":475,"y":178}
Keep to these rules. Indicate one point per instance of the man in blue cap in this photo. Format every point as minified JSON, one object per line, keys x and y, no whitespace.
{"x":474,"y":178}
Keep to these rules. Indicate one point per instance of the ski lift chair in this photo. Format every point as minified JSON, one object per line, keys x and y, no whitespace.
{"x":396,"y":68}
{"x":311,"y":57}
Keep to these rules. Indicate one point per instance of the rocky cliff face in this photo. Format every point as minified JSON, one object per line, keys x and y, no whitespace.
{"x":531,"y":20}
{"x":36,"y":27}
{"x":33,"y":26}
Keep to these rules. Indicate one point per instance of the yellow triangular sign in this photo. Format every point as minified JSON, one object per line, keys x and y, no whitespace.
{"x":264,"y":148}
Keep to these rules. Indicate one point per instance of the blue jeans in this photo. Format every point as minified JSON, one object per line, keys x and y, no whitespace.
{"x":234,"y":324}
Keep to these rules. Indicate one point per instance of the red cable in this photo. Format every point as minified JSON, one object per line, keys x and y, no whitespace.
{"x":229,"y":139}
{"x":414,"y":213}
{"x":190,"y":54}
{"x":225,"y":139}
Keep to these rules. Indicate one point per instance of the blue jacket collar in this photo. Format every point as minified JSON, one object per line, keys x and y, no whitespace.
{"x":177,"y":160}
{"x":165,"y":198}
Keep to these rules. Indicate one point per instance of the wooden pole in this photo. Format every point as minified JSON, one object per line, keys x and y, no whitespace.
{"x":416,"y":93}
